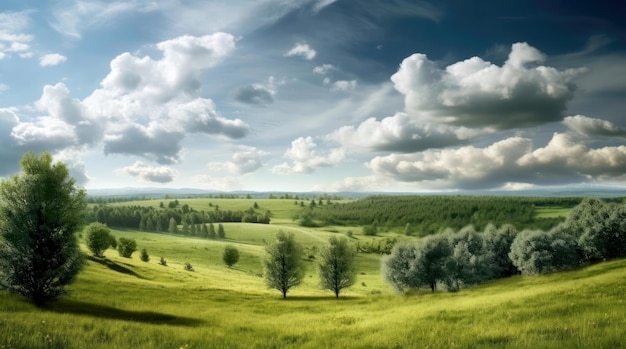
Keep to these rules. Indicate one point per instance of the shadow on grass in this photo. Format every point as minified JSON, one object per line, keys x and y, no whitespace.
{"x":114,"y":266}
{"x":318,"y":298}
{"x":68,"y":306}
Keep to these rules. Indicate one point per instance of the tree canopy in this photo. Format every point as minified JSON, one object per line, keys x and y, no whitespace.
{"x":283,"y":263}
{"x":40,"y":211}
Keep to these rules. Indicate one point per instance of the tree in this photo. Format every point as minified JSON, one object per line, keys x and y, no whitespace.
{"x":126,"y":247}
{"x":173,"y":227}
{"x":211,"y":231}
{"x":221,"y":233}
{"x":283,"y":263}
{"x":418,"y":265}
{"x":538,"y":252}
{"x":145,"y":257}
{"x":231,"y":255}
{"x":337,"y":269}
{"x":497,"y":243}
{"x":40,"y":211}
{"x":98,"y":238}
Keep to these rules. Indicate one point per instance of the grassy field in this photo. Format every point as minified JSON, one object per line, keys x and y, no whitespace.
{"x":127,"y":303}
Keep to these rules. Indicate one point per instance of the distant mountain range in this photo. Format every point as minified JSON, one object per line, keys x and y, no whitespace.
{"x":562,"y":191}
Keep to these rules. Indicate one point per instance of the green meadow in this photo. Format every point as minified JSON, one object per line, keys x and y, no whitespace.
{"x":126,"y":303}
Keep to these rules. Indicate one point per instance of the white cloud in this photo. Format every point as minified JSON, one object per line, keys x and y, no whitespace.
{"x":150,"y":105}
{"x":593,"y":127}
{"x":145,"y":173}
{"x":13,"y":40}
{"x":477,"y":93}
{"x":51,"y":59}
{"x":305,"y":157}
{"x":343,"y":85}
{"x":512,"y":160}
{"x":324,"y":69}
{"x":303,"y":50}
{"x":400,"y":133}
{"x":245,"y":160}
{"x":72,"y":19}
{"x":321,"y":4}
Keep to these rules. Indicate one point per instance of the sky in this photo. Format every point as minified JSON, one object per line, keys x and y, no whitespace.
{"x":317,"y":95}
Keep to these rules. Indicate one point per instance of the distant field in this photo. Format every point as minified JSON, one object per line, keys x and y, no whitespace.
{"x":552,"y":212}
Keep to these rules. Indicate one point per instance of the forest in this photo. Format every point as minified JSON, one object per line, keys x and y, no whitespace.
{"x":426,"y":215}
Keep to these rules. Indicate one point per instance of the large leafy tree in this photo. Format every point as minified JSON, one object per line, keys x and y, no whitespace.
{"x":40,"y":211}
{"x":283,"y":263}
{"x":337,"y":269}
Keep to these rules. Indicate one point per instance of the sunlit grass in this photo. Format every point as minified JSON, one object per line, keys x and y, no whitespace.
{"x":133,"y":304}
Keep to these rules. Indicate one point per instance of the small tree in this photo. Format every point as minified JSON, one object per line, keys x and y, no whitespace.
{"x":98,"y":238}
{"x":221,"y":233}
{"x":337,"y":269}
{"x":126,"y":247}
{"x":283,"y":263}
{"x":144,"y":255}
{"x":231,"y":255}
{"x":173,"y":227}
{"x":163,"y":262}
{"x":212,"y":233}
{"x":538,"y":252}
{"x":40,"y":212}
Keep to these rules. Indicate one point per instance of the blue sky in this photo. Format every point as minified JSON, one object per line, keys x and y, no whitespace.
{"x":383,"y":95}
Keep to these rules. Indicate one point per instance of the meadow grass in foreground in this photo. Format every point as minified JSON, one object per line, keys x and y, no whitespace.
{"x":126,"y":303}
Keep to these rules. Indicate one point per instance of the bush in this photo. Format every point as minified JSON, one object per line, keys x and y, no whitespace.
{"x":126,"y":247}
{"x":163,"y":262}
{"x":144,"y":255}
{"x":98,"y":239}
{"x":188,"y":266}
{"x":231,"y":255}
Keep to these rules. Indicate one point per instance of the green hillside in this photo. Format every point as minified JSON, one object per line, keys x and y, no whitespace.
{"x":126,"y":303}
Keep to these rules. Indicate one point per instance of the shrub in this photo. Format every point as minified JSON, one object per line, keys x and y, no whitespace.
{"x":163,"y":262}
{"x":99,"y":238}
{"x":538,"y":252}
{"x":144,"y":255}
{"x":188,"y":266}
{"x":126,"y":247}
{"x":231,"y":255}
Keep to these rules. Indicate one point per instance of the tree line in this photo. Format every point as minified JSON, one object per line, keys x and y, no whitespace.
{"x":147,"y":218}
{"x":593,"y":231}
{"x":426,"y":215}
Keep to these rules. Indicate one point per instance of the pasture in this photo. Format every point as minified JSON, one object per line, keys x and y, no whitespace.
{"x":126,"y":303}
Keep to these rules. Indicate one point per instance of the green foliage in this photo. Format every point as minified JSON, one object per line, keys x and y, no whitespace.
{"x":431,"y":214}
{"x":145,"y":257}
{"x":498,"y":244}
{"x":231,"y":255}
{"x":188,"y":266}
{"x":172,"y":226}
{"x":283,"y":263}
{"x":221,"y":233}
{"x":40,"y":212}
{"x":163,"y":262}
{"x":126,"y":247}
{"x":337,"y":269}
{"x":370,"y":230}
{"x":537,"y":252}
{"x":98,"y":238}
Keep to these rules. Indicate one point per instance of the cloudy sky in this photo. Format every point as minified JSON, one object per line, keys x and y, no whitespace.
{"x":326,"y":95}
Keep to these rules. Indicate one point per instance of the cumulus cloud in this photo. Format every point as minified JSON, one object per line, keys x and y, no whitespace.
{"x":75,"y":165}
{"x":594,"y":127}
{"x":151,"y":104}
{"x":303,"y":50}
{"x":512,"y":160}
{"x":255,"y":94}
{"x":13,"y":39}
{"x":400,"y":133}
{"x":477,"y":93}
{"x":244,"y":160}
{"x":146,"y":173}
{"x":324,"y":69}
{"x":305,"y":157}
{"x":51,"y":59}
{"x":9,"y":152}
{"x":343,"y":85}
